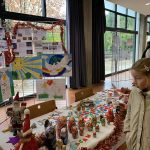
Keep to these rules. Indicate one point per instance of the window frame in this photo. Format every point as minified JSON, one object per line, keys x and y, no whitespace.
{"x":124,"y":30}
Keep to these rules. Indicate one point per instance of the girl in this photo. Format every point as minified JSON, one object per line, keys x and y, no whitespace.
{"x":137,"y":121}
{"x":146,"y":53}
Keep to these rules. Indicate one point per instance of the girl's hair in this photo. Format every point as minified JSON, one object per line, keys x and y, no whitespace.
{"x":142,"y":66}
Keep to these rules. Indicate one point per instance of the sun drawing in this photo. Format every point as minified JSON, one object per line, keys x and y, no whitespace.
{"x":27,"y":68}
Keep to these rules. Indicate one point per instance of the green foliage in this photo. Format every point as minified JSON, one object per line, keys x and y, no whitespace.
{"x":28,"y":75}
{"x":14,"y":75}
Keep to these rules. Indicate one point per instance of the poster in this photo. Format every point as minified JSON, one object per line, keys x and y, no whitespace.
{"x":27,"y":68}
{"x":49,"y":89}
{"x":6,"y":84}
{"x":22,"y":42}
{"x":39,"y":35}
{"x":54,"y":65}
{"x":2,"y":33}
{"x":2,"y":61}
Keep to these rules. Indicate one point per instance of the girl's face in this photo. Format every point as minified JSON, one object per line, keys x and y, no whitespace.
{"x":140,"y":81}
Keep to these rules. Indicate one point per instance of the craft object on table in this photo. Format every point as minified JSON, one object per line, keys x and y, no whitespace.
{"x":110,"y":115}
{"x":74,"y":131}
{"x":81,"y":122}
{"x":81,"y":131}
{"x":62,"y":130}
{"x":16,"y":113}
{"x":27,"y":139}
{"x":71,"y":123}
{"x":50,"y":136}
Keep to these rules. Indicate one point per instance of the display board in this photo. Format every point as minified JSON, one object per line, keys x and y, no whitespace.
{"x":48,"y":89}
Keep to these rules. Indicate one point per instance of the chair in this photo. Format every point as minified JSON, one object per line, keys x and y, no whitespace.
{"x":84,"y":93}
{"x":42,"y":108}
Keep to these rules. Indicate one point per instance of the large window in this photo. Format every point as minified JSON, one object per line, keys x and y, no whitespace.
{"x":120,"y":37}
{"x":54,"y":8}
{"x":34,"y":11}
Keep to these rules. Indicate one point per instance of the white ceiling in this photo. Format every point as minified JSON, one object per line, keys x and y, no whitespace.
{"x":136,"y":5}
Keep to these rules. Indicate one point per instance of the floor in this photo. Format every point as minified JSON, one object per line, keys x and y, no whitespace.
{"x":70,"y":95}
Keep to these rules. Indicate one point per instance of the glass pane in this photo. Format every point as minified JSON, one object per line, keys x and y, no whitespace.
{"x":131,"y":13}
{"x":25,"y":87}
{"x":148,"y":38}
{"x":56,"y":9}
{"x":121,"y":9}
{"x":148,"y":26}
{"x":109,"y":5}
{"x":120,"y":21}
{"x":130,"y":23}
{"x":108,"y":51}
{"x":148,"y":19}
{"x":126,"y":51}
{"x":137,"y":22}
{"x":110,"y":19}
{"x":33,"y":7}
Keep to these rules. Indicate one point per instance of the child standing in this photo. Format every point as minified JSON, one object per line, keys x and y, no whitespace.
{"x":137,"y":121}
{"x":146,"y":53}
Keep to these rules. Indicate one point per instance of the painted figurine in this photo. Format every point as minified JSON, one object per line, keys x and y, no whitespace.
{"x":71,"y":123}
{"x":27,"y":139}
{"x":94,"y":134}
{"x":74,"y":131}
{"x":90,"y":126}
{"x":59,"y":144}
{"x":64,"y":147}
{"x":50,"y":136}
{"x":81,"y":122}
{"x":62,"y":131}
{"x":103,"y":122}
{"x":16,"y":115}
{"x":97,"y":128}
{"x":81,"y":131}
{"x":110,"y":115}
{"x":94,"y":120}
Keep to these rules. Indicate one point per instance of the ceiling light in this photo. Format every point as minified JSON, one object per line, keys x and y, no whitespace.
{"x":147,"y":4}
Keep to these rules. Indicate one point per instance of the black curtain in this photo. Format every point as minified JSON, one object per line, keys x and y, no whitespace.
{"x":76,"y":43}
{"x":98,"y":30}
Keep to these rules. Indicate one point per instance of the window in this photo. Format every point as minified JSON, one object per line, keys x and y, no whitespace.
{"x":121,"y":9}
{"x":130,"y":23}
{"x":110,"y":19}
{"x":109,"y":5}
{"x":56,"y":8}
{"x":108,"y":51}
{"x":121,"y":36}
{"x":121,"y":21}
{"x":33,"y":7}
{"x":131,"y":13}
{"x":126,"y":50}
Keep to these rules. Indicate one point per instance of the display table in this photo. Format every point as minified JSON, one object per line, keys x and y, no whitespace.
{"x":101,"y":106}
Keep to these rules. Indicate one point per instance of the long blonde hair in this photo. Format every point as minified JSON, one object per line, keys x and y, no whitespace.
{"x":142,"y":66}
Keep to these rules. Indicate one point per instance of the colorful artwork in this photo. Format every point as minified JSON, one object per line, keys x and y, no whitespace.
{"x":2,"y":62}
{"x":54,"y":65}
{"x":27,"y":68}
{"x":6,"y":84}
{"x":22,"y":42}
{"x":50,"y":89}
{"x":3,"y":45}
{"x":2,"y":33}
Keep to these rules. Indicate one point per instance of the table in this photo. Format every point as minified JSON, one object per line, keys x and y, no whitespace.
{"x":85,"y":141}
